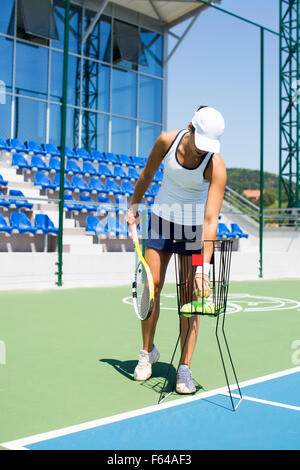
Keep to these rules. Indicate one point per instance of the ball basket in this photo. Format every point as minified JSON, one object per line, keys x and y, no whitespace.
{"x":190,"y":302}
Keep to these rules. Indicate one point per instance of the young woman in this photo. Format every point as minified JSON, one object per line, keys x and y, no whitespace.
{"x":186,"y":208}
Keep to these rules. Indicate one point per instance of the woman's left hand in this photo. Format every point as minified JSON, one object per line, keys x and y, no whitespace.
{"x":202,"y":285}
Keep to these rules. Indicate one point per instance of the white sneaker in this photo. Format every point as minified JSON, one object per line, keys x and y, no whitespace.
{"x":144,"y":368}
{"x":184,"y":383}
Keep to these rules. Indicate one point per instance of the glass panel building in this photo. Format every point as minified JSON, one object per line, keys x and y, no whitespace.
{"x":115,"y":86}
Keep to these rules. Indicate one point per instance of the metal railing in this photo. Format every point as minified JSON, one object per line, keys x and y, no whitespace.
{"x":241,"y":204}
{"x":272,"y":217}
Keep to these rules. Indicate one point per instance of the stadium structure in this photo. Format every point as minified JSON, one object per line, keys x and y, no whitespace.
{"x":116,"y":106}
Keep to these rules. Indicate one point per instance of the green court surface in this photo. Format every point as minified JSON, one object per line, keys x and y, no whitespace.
{"x":70,"y":353}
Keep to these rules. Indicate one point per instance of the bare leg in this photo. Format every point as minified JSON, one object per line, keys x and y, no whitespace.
{"x":189,"y":335}
{"x":158,"y":263}
{"x":189,"y":326}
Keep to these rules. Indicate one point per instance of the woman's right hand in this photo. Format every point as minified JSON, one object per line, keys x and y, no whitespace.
{"x":132,"y":217}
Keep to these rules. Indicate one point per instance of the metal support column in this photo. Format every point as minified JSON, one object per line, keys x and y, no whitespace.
{"x":63,"y":143}
{"x":261,"y":198}
{"x":289,"y":104}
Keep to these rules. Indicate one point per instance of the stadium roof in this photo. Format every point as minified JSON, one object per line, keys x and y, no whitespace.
{"x":168,"y":12}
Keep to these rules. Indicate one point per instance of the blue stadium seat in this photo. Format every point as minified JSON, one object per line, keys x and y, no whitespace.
{"x":119,"y":173}
{"x":88,"y":205}
{"x":54,"y":165}
{"x":38,"y":164}
{"x":149,"y":193}
{"x":20,"y":161}
{"x":17,"y":146}
{"x":237,"y":232}
{"x":70,"y":205}
{"x":35,"y":148}
{"x":133,"y":175}
{"x":121,"y":205}
{"x":18,"y":203}
{"x":21,"y":224}
{"x":72,"y":168}
{"x":97,"y":187}
{"x":125,"y":160}
{"x":44,"y":224}
{"x":69,"y":153}
{"x":223,"y":231}
{"x":51,"y":150}
{"x":138,"y":162}
{"x":4,"y":227}
{"x":114,"y":189}
{"x":89,"y":169}
{"x":155,"y":189}
{"x":158,"y":177}
{"x":112,"y":158}
{"x":98,"y":156}
{"x":4,"y":145}
{"x":80,"y":184}
{"x":150,"y":202}
{"x":106,"y":206}
{"x":4,"y":202}
{"x":83,"y":154}
{"x":104,"y":171}
{"x":95,"y":226}
{"x":67,"y":185}
{"x":127,"y":188}
{"x":3,"y":182}
{"x":42,"y":180}
{"x":114,"y":228}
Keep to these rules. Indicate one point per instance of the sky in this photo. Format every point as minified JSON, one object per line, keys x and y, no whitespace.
{"x":218,"y":64}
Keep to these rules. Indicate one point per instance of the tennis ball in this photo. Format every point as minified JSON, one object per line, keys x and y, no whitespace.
{"x":209,"y":308}
{"x":199,"y":306}
{"x":186,"y":309}
{"x":205,"y":307}
{"x":200,"y":294}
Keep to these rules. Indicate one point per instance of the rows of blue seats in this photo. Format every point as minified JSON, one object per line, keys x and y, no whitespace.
{"x":37,"y":163}
{"x":95,"y":186}
{"x":34,"y":148}
{"x":15,"y":200}
{"x":20,"y":223}
{"x":94,"y":174}
{"x":235,"y":232}
{"x":102,"y":206}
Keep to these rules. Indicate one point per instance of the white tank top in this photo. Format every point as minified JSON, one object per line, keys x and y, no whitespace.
{"x":183,"y":193}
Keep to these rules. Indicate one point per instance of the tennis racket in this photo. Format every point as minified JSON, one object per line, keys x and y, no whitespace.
{"x":142,"y":286}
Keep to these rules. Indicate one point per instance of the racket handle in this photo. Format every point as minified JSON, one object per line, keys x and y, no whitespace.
{"x":134,"y":231}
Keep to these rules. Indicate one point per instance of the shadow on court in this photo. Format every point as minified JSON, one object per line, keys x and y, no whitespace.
{"x":156,"y":382}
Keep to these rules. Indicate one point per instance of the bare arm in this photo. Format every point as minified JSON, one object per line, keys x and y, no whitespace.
{"x":155,"y":158}
{"x":216,"y":174}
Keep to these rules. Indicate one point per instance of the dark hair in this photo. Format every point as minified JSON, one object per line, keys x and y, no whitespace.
{"x":198,"y":109}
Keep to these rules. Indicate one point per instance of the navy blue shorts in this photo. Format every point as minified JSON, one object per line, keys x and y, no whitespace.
{"x":173,"y":238}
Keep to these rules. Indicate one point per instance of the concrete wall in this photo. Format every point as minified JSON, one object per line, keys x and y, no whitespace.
{"x":37,"y":270}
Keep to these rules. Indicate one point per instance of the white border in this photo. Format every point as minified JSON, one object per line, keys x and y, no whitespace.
{"x":20,"y":444}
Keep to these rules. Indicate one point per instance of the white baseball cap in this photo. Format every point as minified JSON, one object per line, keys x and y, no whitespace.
{"x":209,"y":125}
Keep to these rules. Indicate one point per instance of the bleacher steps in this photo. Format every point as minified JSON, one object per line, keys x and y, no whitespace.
{"x":10,"y":174}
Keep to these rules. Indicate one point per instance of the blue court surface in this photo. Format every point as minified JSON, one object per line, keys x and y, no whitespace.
{"x":267,"y":418}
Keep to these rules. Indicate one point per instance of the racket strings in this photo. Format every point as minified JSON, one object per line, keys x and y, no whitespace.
{"x":142,"y":292}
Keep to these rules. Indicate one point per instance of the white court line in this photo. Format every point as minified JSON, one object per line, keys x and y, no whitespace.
{"x":20,"y":444}
{"x":267,"y":402}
